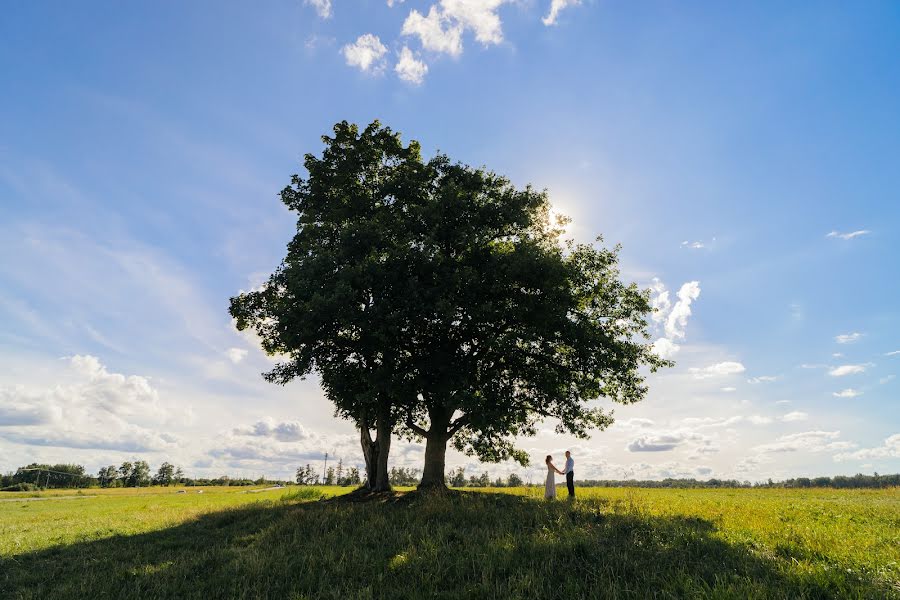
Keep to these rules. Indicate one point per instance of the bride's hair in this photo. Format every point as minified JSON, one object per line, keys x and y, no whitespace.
{"x":548,"y":459}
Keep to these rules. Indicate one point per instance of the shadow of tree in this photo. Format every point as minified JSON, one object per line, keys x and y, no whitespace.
{"x":463,"y":546}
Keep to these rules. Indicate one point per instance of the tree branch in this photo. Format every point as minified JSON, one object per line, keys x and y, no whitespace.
{"x":412,"y":425}
{"x":458,"y":424}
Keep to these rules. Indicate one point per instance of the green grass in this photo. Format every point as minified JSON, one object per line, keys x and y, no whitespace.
{"x":611,"y":543}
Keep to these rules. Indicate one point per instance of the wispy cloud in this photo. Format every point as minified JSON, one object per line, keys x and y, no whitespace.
{"x":847,"y":393}
{"x":763,"y":379}
{"x":322,"y":7}
{"x":721,"y":369}
{"x":556,"y":6}
{"x":844,"y":370}
{"x":849,"y":235}
{"x":848,"y":338}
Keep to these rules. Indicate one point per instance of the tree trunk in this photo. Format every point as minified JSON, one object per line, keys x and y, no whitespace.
{"x":383,"y":431}
{"x":370,"y":453}
{"x":436,"y":449}
{"x":435,"y":460}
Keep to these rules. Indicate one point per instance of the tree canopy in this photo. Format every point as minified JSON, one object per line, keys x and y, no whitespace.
{"x":439,"y":300}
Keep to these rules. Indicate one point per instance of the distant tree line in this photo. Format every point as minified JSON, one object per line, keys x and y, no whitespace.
{"x":128,"y":474}
{"x":839,"y":481}
{"x":138,"y":474}
{"x":339,"y":475}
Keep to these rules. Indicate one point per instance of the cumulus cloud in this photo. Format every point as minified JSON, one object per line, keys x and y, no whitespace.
{"x":722,"y":369}
{"x":673,"y":318}
{"x":665,"y":348}
{"x":97,"y":410}
{"x":282,"y":444}
{"x":409,"y":68}
{"x":286,"y":431}
{"x":322,"y":7}
{"x":666,"y":441}
{"x":889,"y":449}
{"x":434,"y":31}
{"x":849,"y":235}
{"x":556,"y":6}
{"x":678,"y":317}
{"x":441,"y":29}
{"x":847,"y":393}
{"x":847,"y":338}
{"x":367,"y":53}
{"x":844,"y":370}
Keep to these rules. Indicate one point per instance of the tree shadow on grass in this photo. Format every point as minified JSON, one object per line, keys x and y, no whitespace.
{"x":460,"y":546}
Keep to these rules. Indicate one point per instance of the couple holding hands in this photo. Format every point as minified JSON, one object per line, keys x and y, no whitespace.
{"x":569,"y":472}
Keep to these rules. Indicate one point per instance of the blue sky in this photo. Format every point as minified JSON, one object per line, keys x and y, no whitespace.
{"x":746,"y":157}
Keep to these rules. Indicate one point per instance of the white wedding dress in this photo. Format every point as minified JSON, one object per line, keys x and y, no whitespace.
{"x":550,"y":485}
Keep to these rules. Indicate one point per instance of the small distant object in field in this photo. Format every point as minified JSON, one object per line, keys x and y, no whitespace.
{"x":199,"y":491}
{"x":181,"y":492}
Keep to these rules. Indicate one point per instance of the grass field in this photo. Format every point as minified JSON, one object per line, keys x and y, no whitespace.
{"x":611,"y":543}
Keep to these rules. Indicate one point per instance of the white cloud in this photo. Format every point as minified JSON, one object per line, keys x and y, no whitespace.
{"x":850,"y":235}
{"x":721,"y":369}
{"x":763,"y":379}
{"x":714,"y":422}
{"x":393,"y":3}
{"x":410,"y":69}
{"x":665,"y":348}
{"x":810,"y":441}
{"x":845,"y":370}
{"x":442,"y":28}
{"x":478,"y":15}
{"x":634,"y":423}
{"x":555,"y":7}
{"x":434,"y":32}
{"x":286,"y":431}
{"x":367,"y":53}
{"x":674,"y":318}
{"x":729,"y":389}
{"x":677,"y":319}
{"x":659,"y":301}
{"x":894,"y":353}
{"x":323,"y":7}
{"x":794,"y":416}
{"x":236,"y":355}
{"x":269,"y":443}
{"x":663,"y":442}
{"x":889,"y":449}
{"x":847,"y":338}
{"x":96,"y":410}
{"x":847,"y":393}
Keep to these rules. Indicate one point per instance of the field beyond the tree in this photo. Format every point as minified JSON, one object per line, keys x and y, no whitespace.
{"x":301,"y":542}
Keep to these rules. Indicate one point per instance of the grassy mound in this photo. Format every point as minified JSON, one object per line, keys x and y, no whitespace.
{"x":466,"y":545}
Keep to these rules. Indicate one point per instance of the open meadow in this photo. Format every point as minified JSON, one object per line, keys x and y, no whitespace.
{"x":304,"y":542}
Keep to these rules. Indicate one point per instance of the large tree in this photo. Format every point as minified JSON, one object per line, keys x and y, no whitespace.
{"x":328,"y":308}
{"x":506,"y":326}
{"x":438,"y":300}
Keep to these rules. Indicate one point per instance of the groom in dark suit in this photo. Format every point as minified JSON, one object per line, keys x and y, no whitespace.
{"x":570,"y":475}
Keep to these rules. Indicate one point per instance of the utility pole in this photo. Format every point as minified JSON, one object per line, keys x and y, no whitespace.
{"x":325,"y":468}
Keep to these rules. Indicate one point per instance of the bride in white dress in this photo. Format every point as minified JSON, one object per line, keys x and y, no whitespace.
{"x":550,"y":484}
